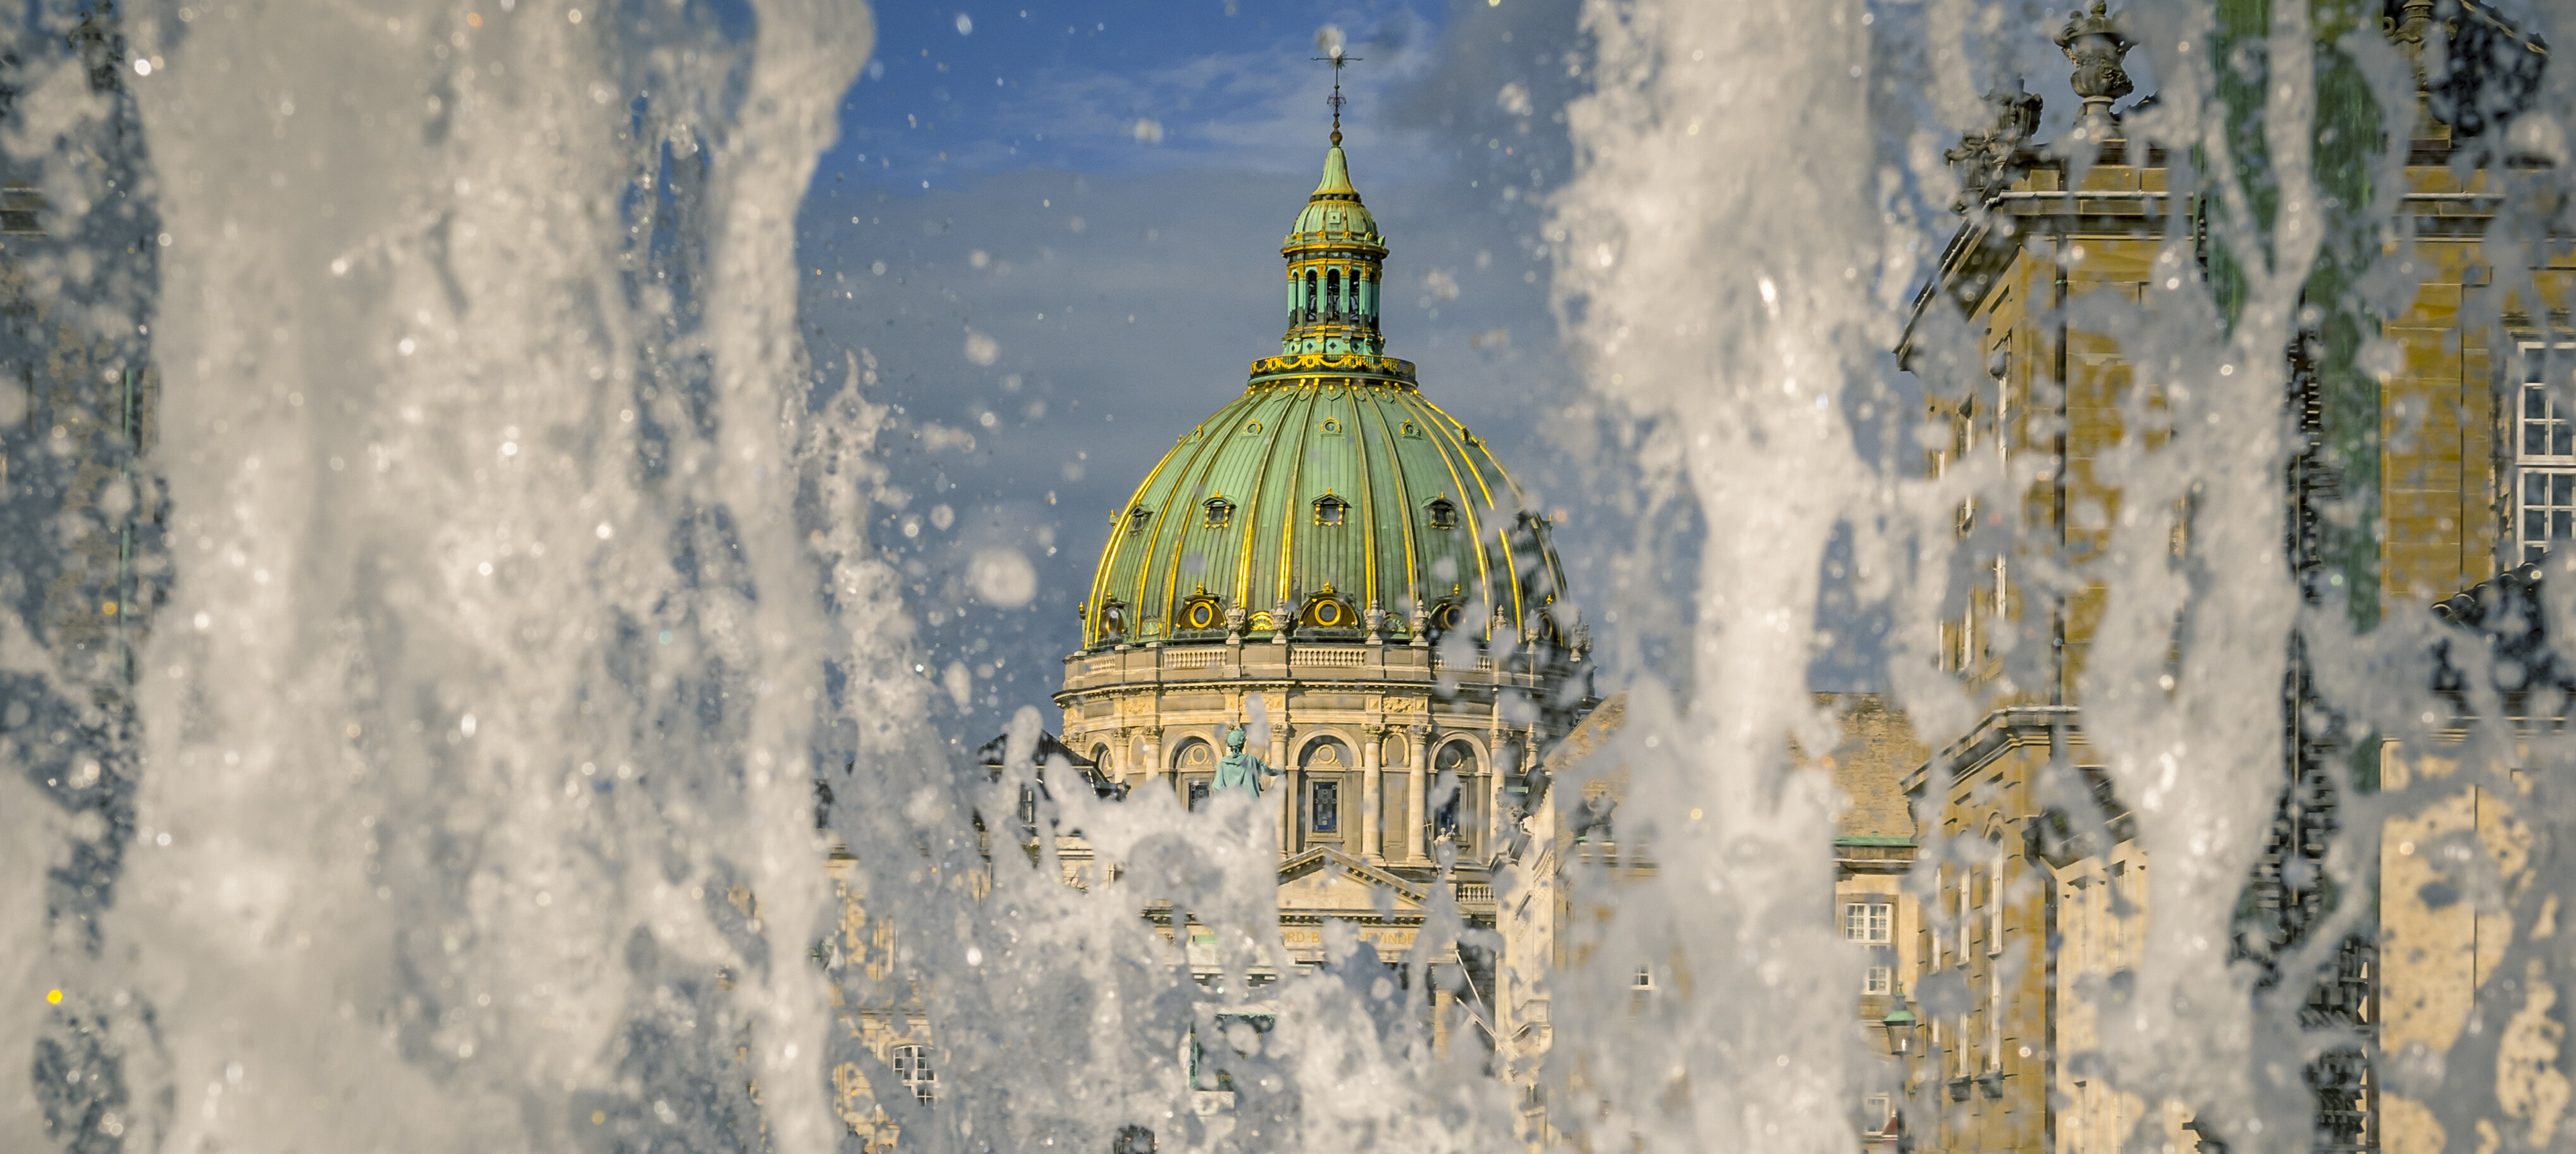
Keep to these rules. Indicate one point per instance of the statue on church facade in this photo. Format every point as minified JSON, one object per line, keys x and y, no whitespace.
{"x":1240,"y":770}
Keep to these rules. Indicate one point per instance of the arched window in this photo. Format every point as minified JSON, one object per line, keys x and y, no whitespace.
{"x":1194,"y":765}
{"x":1100,"y":760}
{"x":1113,"y":619}
{"x":1311,"y":293}
{"x":1321,"y":771}
{"x":1453,"y":766}
{"x":912,"y":1068}
{"x":1138,"y":517}
{"x":1444,"y":513}
{"x":1333,"y":294}
{"x":1220,"y":512}
{"x":1329,"y":509}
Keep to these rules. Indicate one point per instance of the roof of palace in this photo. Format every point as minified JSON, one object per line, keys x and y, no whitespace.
{"x":1331,"y":484}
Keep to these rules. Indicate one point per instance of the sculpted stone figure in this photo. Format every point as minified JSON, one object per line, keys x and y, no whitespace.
{"x":1240,"y":770}
{"x":1985,"y":158}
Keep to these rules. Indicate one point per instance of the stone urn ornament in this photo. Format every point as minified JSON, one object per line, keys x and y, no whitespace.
{"x":1235,"y":616}
{"x":1376,"y":619}
{"x":1281,"y":617}
{"x":2097,"y":44}
{"x":1421,"y":625}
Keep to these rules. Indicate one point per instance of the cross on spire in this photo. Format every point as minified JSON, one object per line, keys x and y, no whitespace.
{"x":1336,"y":100}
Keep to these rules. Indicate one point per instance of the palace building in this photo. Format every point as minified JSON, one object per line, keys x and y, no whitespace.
{"x":2442,"y":465}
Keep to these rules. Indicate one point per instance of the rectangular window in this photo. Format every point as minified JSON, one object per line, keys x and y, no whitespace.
{"x":1867,"y":921}
{"x":1326,"y":797}
{"x":1198,"y":791}
{"x":1967,"y":882}
{"x":1995,"y":908}
{"x":1879,"y":980}
{"x":1876,"y":1112}
{"x":2544,"y":441}
{"x":1995,"y":1018}
{"x":1645,"y":979}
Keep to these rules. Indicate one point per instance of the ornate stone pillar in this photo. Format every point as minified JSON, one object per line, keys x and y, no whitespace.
{"x":1417,"y":811}
{"x":1286,"y":810}
{"x":1156,"y":764}
{"x":1372,"y":813}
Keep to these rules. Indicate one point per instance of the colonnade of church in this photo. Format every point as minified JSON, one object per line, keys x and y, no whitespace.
{"x":1344,"y":291}
{"x":1447,"y":783}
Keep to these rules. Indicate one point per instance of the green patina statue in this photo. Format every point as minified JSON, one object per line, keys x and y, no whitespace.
{"x":1240,"y":770}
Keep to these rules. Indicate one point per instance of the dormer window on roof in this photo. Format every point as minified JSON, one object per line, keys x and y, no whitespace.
{"x":1329,"y":509}
{"x":1444,"y":513}
{"x":1220,"y":513}
{"x":1139,"y":517}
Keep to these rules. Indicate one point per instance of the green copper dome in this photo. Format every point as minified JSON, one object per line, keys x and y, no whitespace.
{"x":1331,"y":487}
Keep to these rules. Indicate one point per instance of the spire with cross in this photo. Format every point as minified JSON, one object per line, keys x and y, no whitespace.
{"x":1336,"y":100}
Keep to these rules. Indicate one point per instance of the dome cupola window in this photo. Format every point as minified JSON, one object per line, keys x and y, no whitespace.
{"x":1201,"y":611}
{"x":1331,"y":510}
{"x":1412,"y":430}
{"x":1327,"y":610}
{"x":1220,"y":513}
{"x":1139,"y":517}
{"x":1444,"y":513}
{"x":1113,"y":620}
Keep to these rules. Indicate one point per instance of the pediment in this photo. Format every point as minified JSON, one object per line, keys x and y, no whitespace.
{"x":1325,"y":879}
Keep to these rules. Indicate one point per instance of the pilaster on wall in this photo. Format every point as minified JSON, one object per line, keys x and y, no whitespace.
{"x":1372,"y":812}
{"x":1417,"y":812}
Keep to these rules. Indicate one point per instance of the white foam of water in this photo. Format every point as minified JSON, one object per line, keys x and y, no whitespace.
{"x":445,"y":746}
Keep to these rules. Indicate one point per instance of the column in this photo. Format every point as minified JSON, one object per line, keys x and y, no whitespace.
{"x":1156,"y":764}
{"x":1417,"y":811}
{"x":1372,"y":751}
{"x":1286,"y":810}
{"x":1500,"y":749}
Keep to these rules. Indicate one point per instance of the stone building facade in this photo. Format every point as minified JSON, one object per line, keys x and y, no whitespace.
{"x":2431,"y":469}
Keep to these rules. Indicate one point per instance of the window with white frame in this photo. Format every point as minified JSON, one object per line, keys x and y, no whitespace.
{"x":1868,"y":922}
{"x":2544,"y":441}
{"x":1644,"y":979}
{"x":912,"y":1068}
{"x":1967,"y":882}
{"x":1877,"y":1112}
{"x":1878,"y":980}
{"x":1995,"y":904}
{"x":1995,"y":1018}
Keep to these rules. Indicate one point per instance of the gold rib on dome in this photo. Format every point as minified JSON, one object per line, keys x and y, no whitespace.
{"x":1331,"y":414}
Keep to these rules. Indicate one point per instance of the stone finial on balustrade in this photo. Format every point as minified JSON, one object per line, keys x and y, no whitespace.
{"x":2098,"y":44}
{"x":1282,"y":617}
{"x":1376,"y":618}
{"x":1421,"y":620}
{"x":1235,"y":617}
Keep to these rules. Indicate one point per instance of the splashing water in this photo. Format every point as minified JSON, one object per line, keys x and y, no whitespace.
{"x":445,"y":778}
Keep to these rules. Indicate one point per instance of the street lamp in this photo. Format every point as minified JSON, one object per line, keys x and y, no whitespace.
{"x":1899,"y":1024}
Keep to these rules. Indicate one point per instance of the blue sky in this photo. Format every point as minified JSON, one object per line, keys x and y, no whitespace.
{"x":957,"y":93}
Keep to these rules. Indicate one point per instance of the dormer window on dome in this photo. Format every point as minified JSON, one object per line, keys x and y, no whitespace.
{"x":1139,"y":517}
{"x":1220,"y":512}
{"x":1330,"y":510}
{"x":1444,"y":513}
